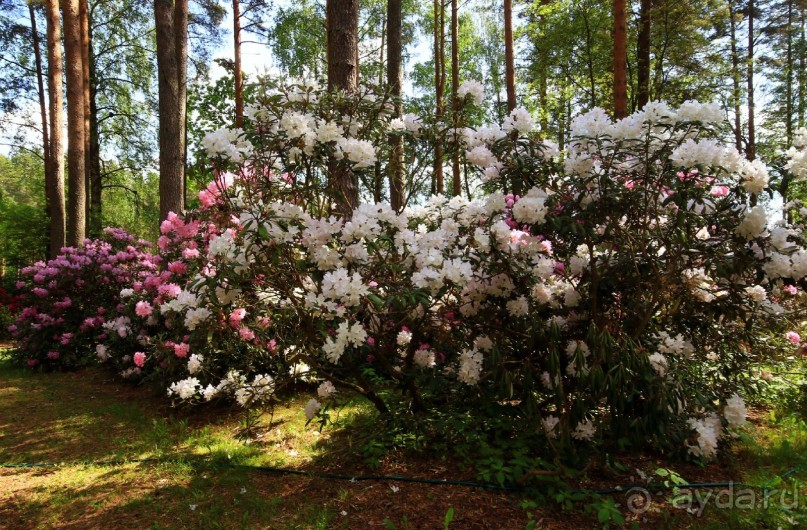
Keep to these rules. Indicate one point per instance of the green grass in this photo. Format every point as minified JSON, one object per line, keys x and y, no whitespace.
{"x":91,"y":416}
{"x":68,"y":417}
{"x":762,"y":458}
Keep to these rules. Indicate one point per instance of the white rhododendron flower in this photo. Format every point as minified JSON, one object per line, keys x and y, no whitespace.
{"x":708,"y":431}
{"x":404,"y":337}
{"x":754,"y":223}
{"x":520,"y":120}
{"x":230,"y":144}
{"x":481,"y":156}
{"x":473,"y":90}
{"x":360,"y":152}
{"x":703,"y":112}
{"x":584,"y":431}
{"x":531,"y":208}
{"x":325,"y":390}
{"x":550,"y":424}
{"x":756,"y":293}
{"x":754,"y":176}
{"x":413,"y":123}
{"x":312,"y":408}
{"x":184,"y":389}
{"x":735,"y":411}
{"x":659,"y":363}
{"x":195,"y":363}
{"x":470,"y":366}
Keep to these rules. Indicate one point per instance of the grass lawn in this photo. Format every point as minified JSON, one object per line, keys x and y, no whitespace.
{"x":91,"y":416}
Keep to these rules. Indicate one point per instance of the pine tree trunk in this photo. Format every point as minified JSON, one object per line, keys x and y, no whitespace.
{"x":84,"y":20}
{"x":620,"y":59}
{"x":789,"y":76}
{"x":181,"y":48}
{"x":171,"y":105}
{"x":55,"y":177}
{"x":455,"y":84}
{"x":96,"y":187}
{"x":43,"y":110}
{"x":76,"y":198}
{"x":643,"y":55}
{"x":542,"y":75}
{"x":343,"y":34}
{"x":381,"y":69}
{"x":735,"y":77}
{"x":509,"y":58}
{"x":343,"y":64}
{"x":802,"y":70}
{"x":239,"y":80}
{"x":751,"y":147}
{"x":395,"y":168}
{"x":439,"y":58}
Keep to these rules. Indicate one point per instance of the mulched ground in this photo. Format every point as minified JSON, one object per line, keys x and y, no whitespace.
{"x":363,"y":504}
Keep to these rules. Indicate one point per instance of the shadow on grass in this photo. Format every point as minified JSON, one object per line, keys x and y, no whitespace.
{"x":144,"y":496}
{"x":91,"y":416}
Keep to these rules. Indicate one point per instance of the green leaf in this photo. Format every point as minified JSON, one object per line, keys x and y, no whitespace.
{"x":449,"y":517}
{"x":376,"y":300}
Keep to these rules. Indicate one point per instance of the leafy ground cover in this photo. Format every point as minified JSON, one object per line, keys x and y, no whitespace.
{"x":188,"y":480}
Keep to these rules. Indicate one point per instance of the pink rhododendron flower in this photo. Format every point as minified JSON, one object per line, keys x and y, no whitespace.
{"x":246,"y":333}
{"x":170,"y":290}
{"x":720,"y":191}
{"x":143,"y":309}
{"x":791,"y":289}
{"x":178,"y":267}
{"x":237,"y":316}
{"x":793,"y":337}
{"x":190,"y":253}
{"x":139,"y":359}
{"x":181,"y":350}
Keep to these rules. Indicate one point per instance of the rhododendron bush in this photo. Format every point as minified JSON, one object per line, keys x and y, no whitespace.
{"x":620,"y":296}
{"x":67,"y":302}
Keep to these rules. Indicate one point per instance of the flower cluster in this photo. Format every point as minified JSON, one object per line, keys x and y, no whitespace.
{"x":616,"y":290}
{"x":72,"y":302}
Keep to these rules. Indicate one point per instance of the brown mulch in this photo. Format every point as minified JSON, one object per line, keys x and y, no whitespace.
{"x":367,"y":504}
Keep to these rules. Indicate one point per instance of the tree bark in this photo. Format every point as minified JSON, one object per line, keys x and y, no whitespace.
{"x":76,"y":198}
{"x":181,"y":46}
{"x":171,"y":47}
{"x":95,"y":198}
{"x":800,"y":107}
{"x":395,"y":168}
{"x":55,"y":177}
{"x":455,"y":85}
{"x":239,"y":80}
{"x":643,"y":55}
{"x":342,"y":32}
{"x":735,"y":77}
{"x":439,"y":59}
{"x":789,"y":77}
{"x":751,"y":148}
{"x":620,"y":59}
{"x":43,"y":110}
{"x":84,"y":21}
{"x":509,"y":58}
